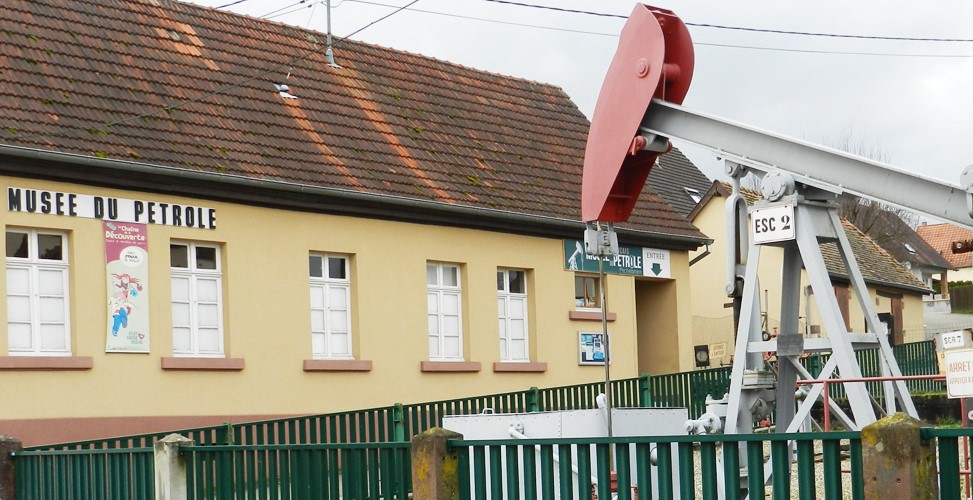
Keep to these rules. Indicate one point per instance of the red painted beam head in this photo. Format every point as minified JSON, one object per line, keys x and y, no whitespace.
{"x":654,"y":60}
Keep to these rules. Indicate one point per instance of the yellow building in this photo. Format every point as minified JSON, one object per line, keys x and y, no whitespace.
{"x":188,"y":244}
{"x":897,"y":293}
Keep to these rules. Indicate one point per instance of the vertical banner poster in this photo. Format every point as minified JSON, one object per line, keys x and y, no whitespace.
{"x":127,"y":261}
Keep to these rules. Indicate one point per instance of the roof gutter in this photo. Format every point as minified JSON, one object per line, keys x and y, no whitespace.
{"x":344,"y":194}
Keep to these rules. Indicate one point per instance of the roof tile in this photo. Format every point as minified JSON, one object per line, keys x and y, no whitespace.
{"x":191,"y":87}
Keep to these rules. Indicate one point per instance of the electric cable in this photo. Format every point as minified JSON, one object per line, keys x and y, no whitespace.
{"x":739,"y":28}
{"x":231,"y":4}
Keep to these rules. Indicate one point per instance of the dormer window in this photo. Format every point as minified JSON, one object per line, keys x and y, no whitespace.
{"x":694,"y":194}
{"x":910,"y":248}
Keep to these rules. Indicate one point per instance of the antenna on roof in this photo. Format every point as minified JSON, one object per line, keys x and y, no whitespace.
{"x":329,"y":53}
{"x":283,"y":89}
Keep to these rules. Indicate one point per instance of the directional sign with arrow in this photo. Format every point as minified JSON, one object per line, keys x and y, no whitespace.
{"x":655,"y":263}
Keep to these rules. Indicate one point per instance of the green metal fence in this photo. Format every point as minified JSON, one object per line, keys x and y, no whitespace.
{"x":950,"y":444}
{"x":299,"y":472}
{"x":689,"y":389}
{"x":397,"y":422}
{"x":661,"y":467}
{"x":827,"y":465}
{"x":96,"y":474}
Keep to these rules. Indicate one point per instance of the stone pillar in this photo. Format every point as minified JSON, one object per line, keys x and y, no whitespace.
{"x":170,"y":468}
{"x":896,"y":463}
{"x":435,"y":469}
{"x":8,"y":446}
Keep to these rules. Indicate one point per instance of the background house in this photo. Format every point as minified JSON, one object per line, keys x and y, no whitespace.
{"x":886,"y":227}
{"x":189,"y":244}
{"x":941,"y":237}
{"x":897,"y":293}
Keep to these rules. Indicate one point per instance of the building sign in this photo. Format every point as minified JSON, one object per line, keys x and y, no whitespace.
{"x":631,"y":261}
{"x":959,"y":373}
{"x":127,"y":261}
{"x":591,"y":348}
{"x":110,"y":209}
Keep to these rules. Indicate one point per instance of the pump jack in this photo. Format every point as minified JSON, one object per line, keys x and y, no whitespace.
{"x":639,"y":110}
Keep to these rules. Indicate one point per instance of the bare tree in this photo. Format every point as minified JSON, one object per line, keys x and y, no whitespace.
{"x":877,"y":220}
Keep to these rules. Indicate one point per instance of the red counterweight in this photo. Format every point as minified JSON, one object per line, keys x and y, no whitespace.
{"x":654,"y":60}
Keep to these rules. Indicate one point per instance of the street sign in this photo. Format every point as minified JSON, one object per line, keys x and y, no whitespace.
{"x":959,"y":373}
{"x":772,"y":224}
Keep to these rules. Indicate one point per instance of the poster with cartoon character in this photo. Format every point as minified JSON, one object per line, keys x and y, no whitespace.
{"x":127,"y":260}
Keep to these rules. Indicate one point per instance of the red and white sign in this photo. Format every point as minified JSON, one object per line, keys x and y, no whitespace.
{"x":959,"y":373}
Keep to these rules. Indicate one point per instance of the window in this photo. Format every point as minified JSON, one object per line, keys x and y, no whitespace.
{"x":512,"y":310}
{"x":330,"y":307}
{"x":694,"y":194}
{"x":587,"y":294}
{"x":37,"y":294}
{"x":197,"y":300}
{"x":444,"y":312}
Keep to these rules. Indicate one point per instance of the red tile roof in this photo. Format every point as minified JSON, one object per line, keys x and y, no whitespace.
{"x":941,"y":238}
{"x":174,"y":84}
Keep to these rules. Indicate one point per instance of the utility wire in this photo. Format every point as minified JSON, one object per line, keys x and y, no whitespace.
{"x":231,"y":4}
{"x":615,"y":35}
{"x":739,"y":28}
{"x":508,"y":23}
{"x":836,"y":52}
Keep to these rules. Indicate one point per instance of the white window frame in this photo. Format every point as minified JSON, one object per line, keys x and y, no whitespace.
{"x":194,"y":275}
{"x":597,"y":296}
{"x":325,"y":285}
{"x":438,"y":295}
{"x":34,"y":267}
{"x":505,"y":298}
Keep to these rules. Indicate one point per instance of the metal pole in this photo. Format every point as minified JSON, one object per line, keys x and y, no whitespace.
{"x":327,"y":4}
{"x":605,"y":341}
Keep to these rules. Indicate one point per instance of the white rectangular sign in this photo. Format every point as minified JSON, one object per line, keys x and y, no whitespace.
{"x":959,"y":373}
{"x":953,"y":340}
{"x":655,"y":263}
{"x":109,"y":209}
{"x":772,"y":224}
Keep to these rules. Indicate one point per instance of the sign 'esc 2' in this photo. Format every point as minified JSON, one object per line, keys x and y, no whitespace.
{"x":772,"y":224}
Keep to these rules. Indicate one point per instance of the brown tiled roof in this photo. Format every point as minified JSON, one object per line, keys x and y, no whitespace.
{"x":876,"y":265}
{"x":167,"y":83}
{"x":941,"y":237}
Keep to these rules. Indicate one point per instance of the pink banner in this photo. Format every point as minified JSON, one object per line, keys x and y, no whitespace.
{"x":127,"y":261}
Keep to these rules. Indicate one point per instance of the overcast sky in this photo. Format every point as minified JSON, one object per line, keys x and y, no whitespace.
{"x":911,"y":100}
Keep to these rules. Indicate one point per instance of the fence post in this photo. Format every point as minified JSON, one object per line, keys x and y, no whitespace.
{"x":645,"y":390}
{"x":896,"y":462}
{"x":398,"y":423}
{"x":170,"y":468}
{"x":8,"y":446}
{"x":435,"y":468}
{"x":533,"y":400}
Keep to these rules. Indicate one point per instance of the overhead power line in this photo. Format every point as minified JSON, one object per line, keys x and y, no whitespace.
{"x":231,"y":4}
{"x":740,"y":28}
{"x":615,"y":35}
{"x":472,"y":18}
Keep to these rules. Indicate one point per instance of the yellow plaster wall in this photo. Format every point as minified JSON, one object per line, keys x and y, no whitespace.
{"x":266,"y":318}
